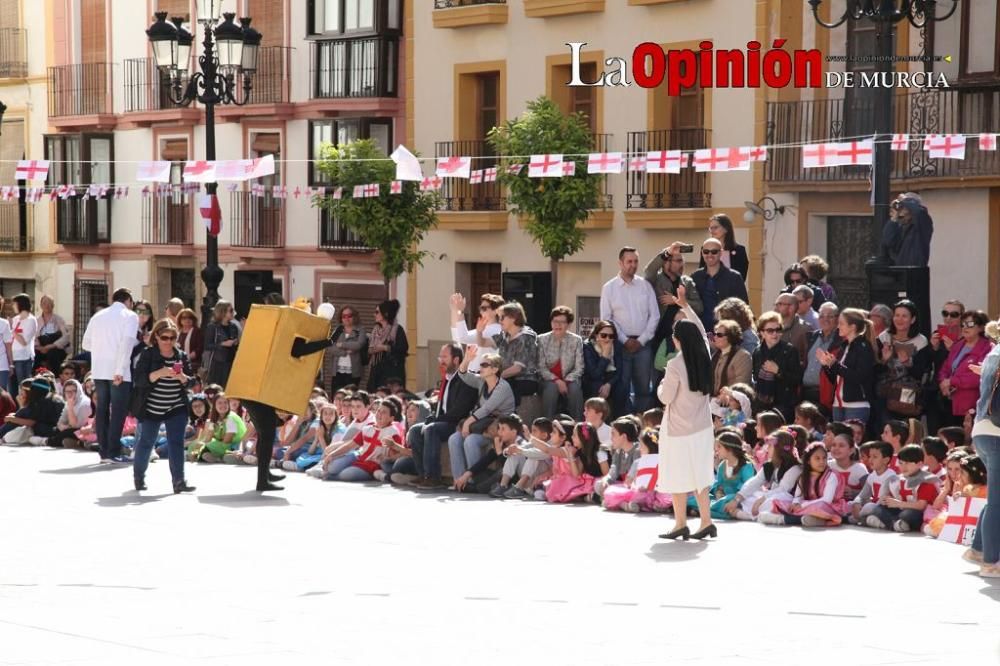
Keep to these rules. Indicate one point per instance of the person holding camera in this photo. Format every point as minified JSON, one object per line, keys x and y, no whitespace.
{"x":665,"y":272}
{"x":716,"y":282}
{"x":906,"y":237}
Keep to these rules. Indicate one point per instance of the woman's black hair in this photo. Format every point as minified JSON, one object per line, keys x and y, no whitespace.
{"x":975,"y":467}
{"x":726,"y":223}
{"x":911,"y":307}
{"x":696,"y":358}
{"x":22,"y":302}
{"x":389,"y":310}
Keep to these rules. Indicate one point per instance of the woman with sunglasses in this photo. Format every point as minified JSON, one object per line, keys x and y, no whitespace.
{"x":947,"y":333}
{"x":734,"y":255}
{"x":955,"y":378}
{"x":162,"y":376}
{"x":348,"y":340}
{"x":602,"y":359}
{"x":777,"y":371}
{"x":487,"y":325}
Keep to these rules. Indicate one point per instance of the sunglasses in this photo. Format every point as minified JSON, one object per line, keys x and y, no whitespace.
{"x":168,"y":338}
{"x":710,"y":252}
{"x":969,"y":324}
{"x":772,"y":330}
{"x":606,"y":336}
{"x":951,"y":314}
{"x":719,"y":334}
{"x":144,"y":312}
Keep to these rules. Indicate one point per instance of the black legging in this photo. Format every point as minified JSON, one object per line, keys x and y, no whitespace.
{"x":265,"y":421}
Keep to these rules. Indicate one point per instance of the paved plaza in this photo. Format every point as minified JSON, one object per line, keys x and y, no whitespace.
{"x":331,"y":573}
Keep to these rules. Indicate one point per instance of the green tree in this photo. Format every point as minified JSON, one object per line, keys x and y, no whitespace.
{"x":393,"y":224}
{"x":553,"y":208}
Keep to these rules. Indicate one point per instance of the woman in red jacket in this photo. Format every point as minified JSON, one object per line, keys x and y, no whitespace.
{"x":955,"y":378}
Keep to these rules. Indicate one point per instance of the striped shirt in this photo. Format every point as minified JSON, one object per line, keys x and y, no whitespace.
{"x":166,"y":395}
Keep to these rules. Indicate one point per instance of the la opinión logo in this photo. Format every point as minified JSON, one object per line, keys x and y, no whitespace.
{"x":707,"y":67}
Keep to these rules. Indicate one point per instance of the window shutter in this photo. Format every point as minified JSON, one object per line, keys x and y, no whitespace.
{"x":174,"y":150}
{"x":11,"y":148}
{"x":9,"y":15}
{"x":93,"y":31}
{"x":175,"y":8}
{"x":269,"y":20}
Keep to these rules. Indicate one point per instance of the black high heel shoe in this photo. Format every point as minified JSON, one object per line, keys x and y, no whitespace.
{"x":710,"y":531}
{"x":679,"y":533}
{"x":271,"y":476}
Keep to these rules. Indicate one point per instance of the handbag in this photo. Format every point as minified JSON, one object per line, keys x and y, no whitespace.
{"x":902,"y":396}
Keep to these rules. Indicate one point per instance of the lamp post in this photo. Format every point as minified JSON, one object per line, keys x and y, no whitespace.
{"x":229,"y":58}
{"x":885,"y":14}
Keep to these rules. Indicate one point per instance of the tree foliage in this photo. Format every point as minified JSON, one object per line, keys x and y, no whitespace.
{"x":553,"y":208}
{"x":393,"y":224}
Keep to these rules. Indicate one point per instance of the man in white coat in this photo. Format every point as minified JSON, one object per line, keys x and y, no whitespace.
{"x":110,"y":337}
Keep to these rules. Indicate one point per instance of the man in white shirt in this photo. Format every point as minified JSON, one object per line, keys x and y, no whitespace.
{"x":629,"y":302}
{"x":110,"y":337}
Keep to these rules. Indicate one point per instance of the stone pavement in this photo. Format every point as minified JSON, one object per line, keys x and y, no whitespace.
{"x":94,"y":573}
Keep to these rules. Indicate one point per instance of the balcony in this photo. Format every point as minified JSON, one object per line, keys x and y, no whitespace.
{"x":270,"y":93}
{"x":458,"y":194}
{"x":256,"y":222}
{"x":351,"y":68}
{"x":547,"y":8}
{"x":11,"y":237}
{"x":687,"y":189}
{"x":463,"y":13}
{"x":166,"y":220}
{"x":80,"y":222}
{"x":966,"y":111}
{"x":13,"y":53}
{"x":80,"y":95}
{"x":334,"y":236}
{"x":602,"y":144}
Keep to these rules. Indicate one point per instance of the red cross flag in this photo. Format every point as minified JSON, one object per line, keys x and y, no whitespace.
{"x":490,"y":175}
{"x":371,"y":190}
{"x":145,"y":191}
{"x":31,"y":170}
{"x":987,"y":142}
{"x":757,"y":153}
{"x":604,"y":163}
{"x":34,"y":194}
{"x":453,"y":167}
{"x":963,"y":514}
{"x":7,"y":193}
{"x":430,"y":184}
{"x":948,"y":146}
{"x":211,"y":214}
{"x":857,"y":152}
{"x":900,"y":142}
{"x":279,"y":192}
{"x":258,"y":168}
{"x":338,"y":193}
{"x":199,"y":171}
{"x":929,"y":138}
{"x":476,"y":177}
{"x":257,"y":190}
{"x":821,"y":155}
{"x":359,"y":192}
{"x":514,"y":169}
{"x":153,"y":172}
{"x":298,"y":192}
{"x":545,"y":166}
{"x":121,"y":192}
{"x":722,"y":159}
{"x":569,"y":168}
{"x":396,"y":187}
{"x":637,"y":163}
{"x":665,"y":161}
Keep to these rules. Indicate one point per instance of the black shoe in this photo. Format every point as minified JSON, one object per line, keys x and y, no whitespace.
{"x":679,"y":533}
{"x":140,"y":484}
{"x":710,"y":531}
{"x":271,"y":476}
{"x":182,"y":487}
{"x":261,"y":487}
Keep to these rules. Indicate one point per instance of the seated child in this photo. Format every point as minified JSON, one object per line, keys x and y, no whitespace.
{"x":971,"y":483}
{"x":639,"y":493}
{"x":303,"y":438}
{"x":731,"y":407}
{"x":652,"y":418}
{"x":767,"y":423}
{"x":484,"y":475}
{"x":775,"y":479}
{"x":877,"y":456}
{"x":953,"y":436}
{"x":329,"y":426}
{"x":910,"y":494}
{"x":809,"y":416}
{"x":358,"y":459}
{"x":595,"y":412}
{"x":735,"y":469}
{"x":852,"y":473}
{"x":224,"y":433}
{"x":575,"y":468}
{"x":935,"y":452}
{"x":819,"y":495}
{"x":530,"y":463}
{"x":624,"y":452}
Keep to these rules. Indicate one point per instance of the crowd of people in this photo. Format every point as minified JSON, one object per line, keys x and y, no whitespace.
{"x":806,"y":414}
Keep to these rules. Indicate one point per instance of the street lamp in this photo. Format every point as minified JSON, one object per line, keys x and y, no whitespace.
{"x":885,"y":14}
{"x":767,"y":208}
{"x":227,"y":64}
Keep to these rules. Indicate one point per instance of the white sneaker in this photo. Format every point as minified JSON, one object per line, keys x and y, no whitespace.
{"x":631,"y":507}
{"x":37,"y":441}
{"x":743,"y":515}
{"x":540,"y":495}
{"x":972,"y":556}
{"x":901,"y":526}
{"x":813,"y":521}
{"x":379,"y":475}
{"x":316,"y":471}
{"x":769,"y":518}
{"x":873,"y":521}
{"x":250,"y":459}
{"x":401,"y":479}
{"x":289,"y":466}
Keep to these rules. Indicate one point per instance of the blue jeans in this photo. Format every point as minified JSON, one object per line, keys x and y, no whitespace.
{"x":844,"y":413}
{"x":109,"y":417}
{"x":338,"y":465}
{"x":22,"y":371}
{"x":5,"y":382}
{"x":425,"y":439}
{"x":175,"y":445}
{"x":464,"y":452}
{"x":987,"y":538}
{"x":637,"y":372}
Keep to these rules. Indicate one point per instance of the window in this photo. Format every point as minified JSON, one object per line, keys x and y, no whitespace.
{"x":488,"y":98}
{"x":583,"y":98}
{"x":11,"y":287}
{"x":90,"y":295}
{"x":363,"y":67}
{"x":181,"y":8}
{"x":338,"y":17}
{"x":859,"y":103}
{"x":81,"y":160}
{"x":344,"y":130}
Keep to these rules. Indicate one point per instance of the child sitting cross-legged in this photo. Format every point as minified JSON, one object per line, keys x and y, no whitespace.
{"x":639,"y":493}
{"x":305,"y":435}
{"x":224,"y":433}
{"x":576,"y":467}
{"x":624,"y":452}
{"x":735,"y":469}
{"x":842,"y":463}
{"x":877,"y":456}
{"x":484,"y":475}
{"x":910,"y":494}
{"x":358,"y":459}
{"x":971,"y":482}
{"x":819,"y":495}
{"x":528,"y":460}
{"x":775,"y":479}
{"x":327,"y":427}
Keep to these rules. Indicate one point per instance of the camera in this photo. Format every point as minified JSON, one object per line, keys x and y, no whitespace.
{"x":687,"y":248}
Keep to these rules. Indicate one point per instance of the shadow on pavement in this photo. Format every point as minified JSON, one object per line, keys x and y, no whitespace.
{"x":130,"y":498}
{"x":246,"y":499}
{"x":84,"y":469}
{"x":676,"y":551}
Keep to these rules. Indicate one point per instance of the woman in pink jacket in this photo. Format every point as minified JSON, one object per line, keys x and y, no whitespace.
{"x":957,"y":381}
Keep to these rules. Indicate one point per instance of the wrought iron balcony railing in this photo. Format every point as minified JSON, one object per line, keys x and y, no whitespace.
{"x":365,"y":67}
{"x":458,"y":194}
{"x":80,"y":90}
{"x":256,"y":221}
{"x":146,"y":87}
{"x":13,"y":53}
{"x":448,"y":4}
{"x":333,"y":235}
{"x":11,"y":238}
{"x":166,"y":220}
{"x":687,"y":189}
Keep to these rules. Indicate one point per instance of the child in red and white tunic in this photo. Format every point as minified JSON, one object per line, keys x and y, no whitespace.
{"x":819,"y":495}
{"x":375,"y":440}
{"x":877,"y":485}
{"x":842,"y":462}
{"x":912,"y":493}
{"x":639,"y":493}
{"x":342,"y":452}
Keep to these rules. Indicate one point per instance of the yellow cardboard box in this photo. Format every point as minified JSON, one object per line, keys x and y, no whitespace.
{"x":264,"y":370}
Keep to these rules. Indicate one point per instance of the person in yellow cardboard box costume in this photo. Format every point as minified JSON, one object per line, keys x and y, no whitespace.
{"x":275,"y":368}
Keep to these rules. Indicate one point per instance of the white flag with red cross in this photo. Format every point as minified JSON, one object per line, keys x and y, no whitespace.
{"x":432,"y":184}
{"x":604,"y":163}
{"x":757,"y":153}
{"x":31,"y":170}
{"x":514,"y":169}
{"x":929,"y":138}
{"x":199,"y":171}
{"x":900,"y":142}
{"x":637,"y":163}
{"x":722,"y":159}
{"x":259,"y":167}
{"x":963,"y":516}
{"x":546,"y":166}
{"x":121,"y":192}
{"x":338,"y":193}
{"x":987,"y":142}
{"x":453,"y":167}
{"x":153,"y":172}
{"x":359,"y":192}
{"x":279,"y":192}
{"x":476,"y":177}
{"x":490,"y":175}
{"x":948,"y":146}
{"x":371,"y":190}
{"x":857,"y":152}
{"x":7,"y":193}
{"x":211,"y":213}
{"x":298,"y":192}
{"x":34,"y":194}
{"x":821,"y":155}
{"x":665,"y":161}
{"x":569,"y":168}
{"x":396,"y":187}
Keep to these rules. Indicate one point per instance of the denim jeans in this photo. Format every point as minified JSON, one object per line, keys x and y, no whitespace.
{"x":987,"y":538}
{"x":636,"y":373}
{"x":175,"y":445}
{"x":22,"y":371}
{"x":109,"y":417}
{"x":338,"y":465}
{"x":844,"y":413}
{"x":426,"y":439}
{"x":573,"y":399}
{"x":5,"y":382}
{"x":464,"y":452}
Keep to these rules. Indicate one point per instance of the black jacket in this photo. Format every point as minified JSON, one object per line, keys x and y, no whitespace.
{"x":462,"y":398}
{"x":728,"y":284}
{"x":150,"y":360}
{"x":738,"y":260}
{"x":857,"y":366}
{"x":782,"y":392}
